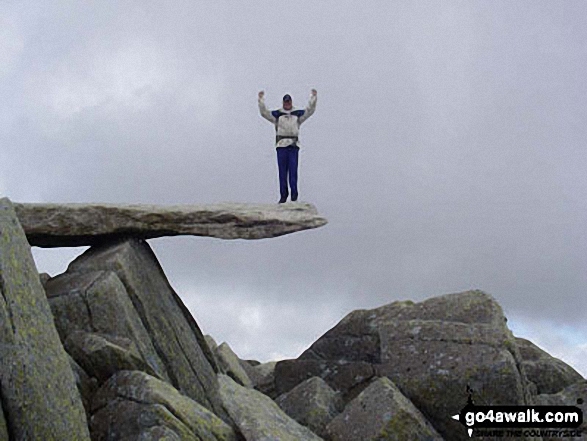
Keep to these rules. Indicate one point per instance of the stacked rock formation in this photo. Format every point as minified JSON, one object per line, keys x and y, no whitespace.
{"x":108,"y":351}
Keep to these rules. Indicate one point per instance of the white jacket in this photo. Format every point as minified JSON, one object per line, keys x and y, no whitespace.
{"x":287,"y":122}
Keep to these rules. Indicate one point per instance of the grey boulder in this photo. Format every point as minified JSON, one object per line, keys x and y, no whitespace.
{"x":3,"y":427}
{"x":103,"y":355}
{"x":381,"y":412}
{"x":263,"y":377}
{"x":312,"y":404}
{"x":550,"y":374}
{"x":258,"y":417}
{"x":211,"y":342}
{"x":176,"y":337}
{"x":232,"y":365}
{"x":349,"y":378}
{"x":96,"y":302}
{"x":432,"y":351}
{"x":86,"y":385}
{"x":573,"y":395}
{"x":133,"y":403}
{"x":38,"y":392}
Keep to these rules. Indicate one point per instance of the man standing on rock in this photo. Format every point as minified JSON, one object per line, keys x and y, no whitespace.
{"x":287,"y":121}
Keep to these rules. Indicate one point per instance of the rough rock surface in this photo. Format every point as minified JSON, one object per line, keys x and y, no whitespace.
{"x":175,"y":334}
{"x":86,"y":385}
{"x":550,"y":374}
{"x":211,"y":342}
{"x":348,"y":378}
{"x":3,"y":427}
{"x":97,"y":302}
{"x":258,"y":417}
{"x":431,"y":350}
{"x":60,"y":225}
{"x":44,"y":278}
{"x":132,"y":402}
{"x":263,"y":377}
{"x":231,"y":365}
{"x":381,"y":413}
{"x":39,"y":396}
{"x":103,"y":355}
{"x":573,"y":395}
{"x":312,"y":404}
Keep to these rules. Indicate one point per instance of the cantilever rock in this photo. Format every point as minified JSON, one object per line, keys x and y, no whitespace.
{"x":61,"y":225}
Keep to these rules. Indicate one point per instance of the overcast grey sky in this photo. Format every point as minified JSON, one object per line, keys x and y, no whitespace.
{"x":447,"y":150}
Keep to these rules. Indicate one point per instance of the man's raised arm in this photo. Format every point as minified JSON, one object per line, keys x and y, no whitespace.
{"x":310,"y":108}
{"x":263,"y":109}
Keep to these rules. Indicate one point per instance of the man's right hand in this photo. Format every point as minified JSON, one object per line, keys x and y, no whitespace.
{"x":261,"y":94}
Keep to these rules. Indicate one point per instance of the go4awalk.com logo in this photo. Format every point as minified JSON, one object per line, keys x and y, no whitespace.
{"x":515,"y":421}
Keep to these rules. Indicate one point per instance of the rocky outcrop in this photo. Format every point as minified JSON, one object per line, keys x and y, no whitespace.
{"x":550,"y":374}
{"x":97,"y":302}
{"x":232,"y":365}
{"x":263,"y":377}
{"x":86,"y":385}
{"x":175,"y":335}
{"x":381,"y":413}
{"x":102,"y":356}
{"x":145,"y":371}
{"x":312,"y":404}
{"x":573,"y":395}
{"x":132,"y":404}
{"x":431,"y":350}
{"x":211,"y":342}
{"x":3,"y":427}
{"x":38,"y":392}
{"x":257,"y":416}
{"x":60,"y":225}
{"x":347,"y":378}
{"x":248,"y":373}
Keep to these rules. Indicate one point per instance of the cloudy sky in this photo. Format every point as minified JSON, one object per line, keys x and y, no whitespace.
{"x":447,"y":150}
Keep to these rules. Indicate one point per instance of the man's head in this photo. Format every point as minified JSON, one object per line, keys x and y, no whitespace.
{"x":287,"y":105}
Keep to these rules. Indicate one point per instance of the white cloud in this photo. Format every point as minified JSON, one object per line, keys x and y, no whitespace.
{"x":131,"y":76}
{"x":12,"y":41}
{"x":254,"y":328}
{"x":127,"y":76}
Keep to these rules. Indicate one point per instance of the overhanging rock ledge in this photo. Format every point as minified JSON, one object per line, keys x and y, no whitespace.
{"x":71,"y":225}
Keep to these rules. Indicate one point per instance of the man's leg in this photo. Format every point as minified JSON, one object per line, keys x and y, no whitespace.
{"x":282,"y":165}
{"x":293,"y":171}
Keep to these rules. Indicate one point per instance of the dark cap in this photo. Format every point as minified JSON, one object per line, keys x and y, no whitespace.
{"x":286,"y":97}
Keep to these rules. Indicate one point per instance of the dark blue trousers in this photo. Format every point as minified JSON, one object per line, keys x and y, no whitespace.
{"x":287,"y":162}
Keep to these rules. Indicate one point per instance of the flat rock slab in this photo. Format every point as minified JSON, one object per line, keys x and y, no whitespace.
{"x":72,"y":225}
